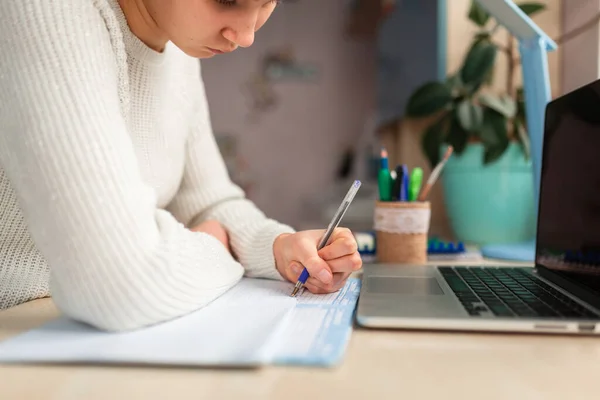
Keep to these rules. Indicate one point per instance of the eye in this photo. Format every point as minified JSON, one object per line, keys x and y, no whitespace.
{"x":230,"y":3}
{"x":227,"y":3}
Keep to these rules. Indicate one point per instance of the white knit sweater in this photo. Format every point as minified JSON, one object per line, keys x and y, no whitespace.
{"x":106,"y":158}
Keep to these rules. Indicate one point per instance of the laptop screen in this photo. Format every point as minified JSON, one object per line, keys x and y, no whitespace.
{"x":568,"y":235}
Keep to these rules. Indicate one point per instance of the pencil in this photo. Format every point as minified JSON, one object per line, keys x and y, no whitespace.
{"x":435,"y":174}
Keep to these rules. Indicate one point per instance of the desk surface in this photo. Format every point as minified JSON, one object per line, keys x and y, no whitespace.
{"x":378,"y":364}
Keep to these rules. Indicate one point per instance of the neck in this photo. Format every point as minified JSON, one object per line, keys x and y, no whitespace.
{"x":143,"y":25}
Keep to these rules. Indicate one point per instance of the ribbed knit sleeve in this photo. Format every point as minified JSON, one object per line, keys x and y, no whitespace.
{"x":116,"y":260}
{"x":207,"y":192}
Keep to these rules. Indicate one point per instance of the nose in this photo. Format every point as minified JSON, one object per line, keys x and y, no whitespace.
{"x":242,"y":32}
{"x":239,"y":38}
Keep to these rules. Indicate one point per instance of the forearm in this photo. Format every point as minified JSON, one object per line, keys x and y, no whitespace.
{"x":251,"y":235}
{"x":119,"y":284}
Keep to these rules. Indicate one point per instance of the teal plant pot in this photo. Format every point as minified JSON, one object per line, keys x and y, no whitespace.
{"x":493,"y":203}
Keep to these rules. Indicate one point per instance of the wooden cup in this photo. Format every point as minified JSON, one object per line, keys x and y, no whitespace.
{"x":401,"y":230}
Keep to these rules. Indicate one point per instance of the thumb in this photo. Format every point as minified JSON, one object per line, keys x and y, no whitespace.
{"x":317,"y":268}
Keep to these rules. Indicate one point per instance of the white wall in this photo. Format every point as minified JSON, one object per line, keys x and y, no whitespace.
{"x":581,"y":61}
{"x":293,"y":151}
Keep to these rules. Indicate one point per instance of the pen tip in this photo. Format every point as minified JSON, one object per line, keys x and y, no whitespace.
{"x":296,"y":289}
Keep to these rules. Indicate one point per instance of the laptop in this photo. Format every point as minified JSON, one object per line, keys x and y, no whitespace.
{"x":560,"y":293}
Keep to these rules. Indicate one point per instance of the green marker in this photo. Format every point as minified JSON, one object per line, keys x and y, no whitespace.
{"x":416,"y":180}
{"x":384,"y":178}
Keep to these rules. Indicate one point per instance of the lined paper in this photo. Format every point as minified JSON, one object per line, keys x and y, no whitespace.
{"x":254,"y":323}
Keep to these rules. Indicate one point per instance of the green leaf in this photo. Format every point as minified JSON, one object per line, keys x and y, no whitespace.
{"x":457,"y":136}
{"x":489,"y":78}
{"x":428,"y":99}
{"x":504,"y":104}
{"x":477,"y":65}
{"x":520,"y":93}
{"x":520,"y":103}
{"x":494,"y":135}
{"x":493,"y":127}
{"x":433,"y":139}
{"x":477,"y":14}
{"x":521,"y":111}
{"x":483,"y":36}
{"x":531,"y":8}
{"x":493,"y":153}
{"x":521,"y":132}
{"x":453,"y":82}
{"x":470,"y":115}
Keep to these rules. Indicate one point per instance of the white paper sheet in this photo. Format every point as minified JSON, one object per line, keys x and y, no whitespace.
{"x":241,"y":328}
{"x":320,"y":325}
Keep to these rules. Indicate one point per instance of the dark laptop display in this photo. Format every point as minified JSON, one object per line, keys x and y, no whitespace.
{"x":568,"y":234}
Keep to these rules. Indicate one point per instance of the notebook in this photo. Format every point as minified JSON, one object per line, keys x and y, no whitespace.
{"x":319,"y":327}
{"x":253,"y":324}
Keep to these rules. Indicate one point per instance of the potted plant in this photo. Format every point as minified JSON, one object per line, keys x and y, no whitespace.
{"x":488,"y":183}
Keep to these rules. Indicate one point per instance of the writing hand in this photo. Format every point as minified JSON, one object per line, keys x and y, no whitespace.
{"x":329,"y":268}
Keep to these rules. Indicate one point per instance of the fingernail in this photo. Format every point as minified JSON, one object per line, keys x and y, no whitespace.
{"x":296,"y":269}
{"x":324,"y":276}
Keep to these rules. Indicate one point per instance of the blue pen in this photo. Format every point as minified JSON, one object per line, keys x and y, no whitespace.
{"x":404,"y":185}
{"x":332,"y":225}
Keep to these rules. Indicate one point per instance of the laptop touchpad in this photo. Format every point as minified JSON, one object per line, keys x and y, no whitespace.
{"x":404,"y":285}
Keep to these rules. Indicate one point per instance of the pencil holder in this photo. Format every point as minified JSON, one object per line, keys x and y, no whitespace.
{"x":401,"y":230}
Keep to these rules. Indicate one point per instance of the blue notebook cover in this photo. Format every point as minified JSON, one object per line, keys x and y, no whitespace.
{"x":320,"y":328}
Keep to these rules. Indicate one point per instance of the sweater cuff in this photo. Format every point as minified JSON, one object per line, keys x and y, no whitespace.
{"x":261,"y":262}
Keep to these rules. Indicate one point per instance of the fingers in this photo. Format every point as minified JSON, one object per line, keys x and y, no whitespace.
{"x":306,"y":254}
{"x":342,"y":269}
{"x":343,"y":244}
{"x":315,"y":289}
{"x":318,"y":287}
{"x":350,"y":263}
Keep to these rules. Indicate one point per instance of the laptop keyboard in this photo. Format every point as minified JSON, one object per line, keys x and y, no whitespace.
{"x":510,"y":292}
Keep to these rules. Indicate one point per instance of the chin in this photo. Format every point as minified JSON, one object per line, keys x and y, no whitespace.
{"x":194,"y":52}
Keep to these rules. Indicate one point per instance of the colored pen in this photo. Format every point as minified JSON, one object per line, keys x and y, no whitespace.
{"x":332,"y":225}
{"x":435,"y":174}
{"x":404,"y":186}
{"x":384,"y":178}
{"x":416,"y":180}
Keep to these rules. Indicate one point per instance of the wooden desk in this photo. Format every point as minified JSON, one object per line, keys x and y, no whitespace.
{"x":379,"y":365}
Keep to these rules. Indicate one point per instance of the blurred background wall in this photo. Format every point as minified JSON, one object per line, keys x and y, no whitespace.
{"x":288,"y":110}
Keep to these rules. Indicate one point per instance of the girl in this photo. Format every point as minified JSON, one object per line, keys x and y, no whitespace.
{"x":114,"y":198}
